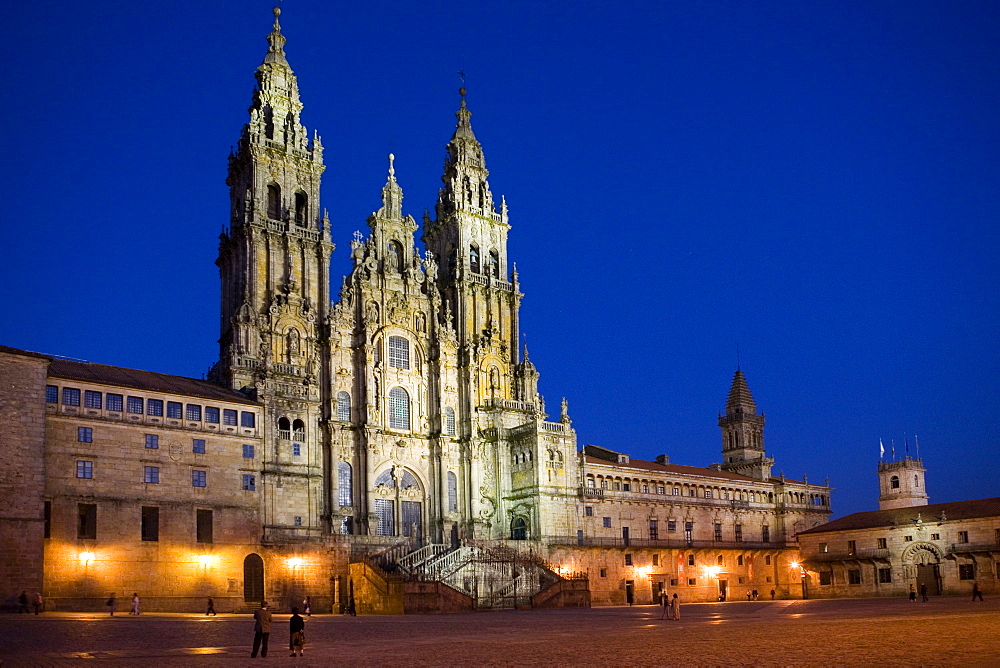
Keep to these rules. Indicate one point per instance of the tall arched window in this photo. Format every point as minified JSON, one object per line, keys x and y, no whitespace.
{"x":343,"y":406}
{"x":449,"y":420}
{"x":452,"y":492}
{"x":274,"y":202}
{"x":399,"y":409}
{"x":410,"y":518}
{"x":284,"y":428}
{"x":519,"y":529}
{"x":399,"y":352}
{"x":474,"y":258}
{"x":894,"y":482}
{"x":345,"y":484}
{"x":268,"y":122}
{"x":299,"y":430}
{"x":301,"y":210}
{"x":495,"y":264}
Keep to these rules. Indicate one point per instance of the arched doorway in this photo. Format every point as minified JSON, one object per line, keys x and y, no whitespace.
{"x":519,"y":529}
{"x":253,"y":578}
{"x":921,"y":564}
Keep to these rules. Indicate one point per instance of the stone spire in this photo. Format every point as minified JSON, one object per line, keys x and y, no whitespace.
{"x":740,"y":400}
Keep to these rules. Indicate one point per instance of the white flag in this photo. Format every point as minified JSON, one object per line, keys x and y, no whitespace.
{"x":881,"y":449}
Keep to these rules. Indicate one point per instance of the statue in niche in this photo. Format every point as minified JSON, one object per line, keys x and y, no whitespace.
{"x":371,"y":314}
{"x":494,"y":381}
{"x":292,"y":344}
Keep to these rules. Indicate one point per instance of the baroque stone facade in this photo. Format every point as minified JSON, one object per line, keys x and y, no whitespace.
{"x":398,"y":426}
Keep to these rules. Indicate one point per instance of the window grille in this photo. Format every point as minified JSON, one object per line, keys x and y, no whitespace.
{"x":399,"y":352}
{"x":399,"y":409}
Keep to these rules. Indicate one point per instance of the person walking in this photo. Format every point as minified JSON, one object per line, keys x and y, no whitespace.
{"x":913,"y":594}
{"x":772,"y":594}
{"x":38,"y":602}
{"x":675,"y":605}
{"x":135,"y":604}
{"x":211,"y":608}
{"x":307,"y":606}
{"x":296,"y":632}
{"x":22,"y":602}
{"x":665,"y":604}
{"x":976,"y":591}
{"x":111,"y":603}
{"x":261,"y":630}
{"x":923,"y":592}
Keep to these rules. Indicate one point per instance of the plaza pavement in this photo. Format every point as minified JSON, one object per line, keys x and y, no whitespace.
{"x":863,"y":632}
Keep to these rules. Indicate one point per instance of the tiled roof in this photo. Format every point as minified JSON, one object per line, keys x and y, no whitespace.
{"x":143,"y":380}
{"x":956,"y":510}
{"x":25,"y":353}
{"x":665,"y":469}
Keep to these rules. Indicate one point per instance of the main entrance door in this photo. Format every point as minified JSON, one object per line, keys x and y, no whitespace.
{"x":253,"y":578}
{"x":927,"y":574}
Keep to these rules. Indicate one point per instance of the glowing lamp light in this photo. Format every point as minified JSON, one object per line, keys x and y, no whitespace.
{"x":795,"y":564}
{"x":294,"y":562}
{"x":86,"y":557}
{"x":205,"y":560}
{"x":713,"y":571}
{"x":643,"y":571}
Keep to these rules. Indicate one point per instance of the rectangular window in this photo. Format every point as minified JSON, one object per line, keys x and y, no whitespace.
{"x":765,"y":534}
{"x":151,"y":475}
{"x":688,"y":530}
{"x":854,"y":576}
{"x":604,"y":572}
{"x":154,"y":407}
{"x":86,"y":525}
{"x":937,"y":536}
{"x":656,"y":560}
{"x":739,"y":560}
{"x":204,"y":525}
{"x":826,"y":577}
{"x":654,"y":530}
{"x":84,"y":469}
{"x":708,"y":494}
{"x":618,"y":486}
{"x":690,"y":560}
{"x":692,"y":582}
{"x":193,"y":413}
{"x":152,"y":441}
{"x":884,"y":575}
{"x":718,"y":532}
{"x":248,"y":419}
{"x":248,"y":451}
{"x":198,"y":446}
{"x":150,"y":523}
{"x":211,"y":414}
{"x":91,"y":399}
{"x":588,"y":511}
{"x":71,"y":396}
{"x":399,"y":352}
{"x":249,"y":482}
{"x":134,"y":405}
{"x":823,"y":547}
{"x":738,"y":530}
{"x":175,"y":410}
{"x":228,"y":417}
{"x":607,"y":522}
{"x":199,"y":478}
{"x":671,"y":525}
{"x":626,"y":487}
{"x":963,"y":536}
{"x":51,"y":394}
{"x":660,"y":489}
{"x":852,"y":547}
{"x":296,"y":449}
{"x":645,"y":489}
{"x":84,"y":435}
{"x":966,"y":571}
{"x":676,"y":491}
{"x":346,"y":491}
{"x":880,"y":543}
{"x":628,"y":558}
{"x":907,"y":539}
{"x":767,"y":560}
{"x":114,"y":402}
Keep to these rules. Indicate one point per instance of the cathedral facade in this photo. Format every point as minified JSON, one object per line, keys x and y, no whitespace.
{"x":346,"y":445}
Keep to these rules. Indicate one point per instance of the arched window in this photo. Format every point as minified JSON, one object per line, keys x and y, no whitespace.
{"x":894,"y":482}
{"x":274,"y":202}
{"x":299,"y":430}
{"x":519,"y":529}
{"x":268,"y":122}
{"x":399,"y":352}
{"x":474,"y":258}
{"x":410,"y":518}
{"x":343,"y":406}
{"x":284,"y":428}
{"x":495,"y":264}
{"x":916,"y":480}
{"x":399,"y":409}
{"x":345,"y":484}
{"x":449,"y":420}
{"x":395,"y":257}
{"x":452,"y":492}
{"x":301,"y":211}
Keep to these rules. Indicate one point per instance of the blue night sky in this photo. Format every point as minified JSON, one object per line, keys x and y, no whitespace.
{"x":816,"y":182}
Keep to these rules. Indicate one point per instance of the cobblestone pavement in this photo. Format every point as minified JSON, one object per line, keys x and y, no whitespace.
{"x":882,"y":632}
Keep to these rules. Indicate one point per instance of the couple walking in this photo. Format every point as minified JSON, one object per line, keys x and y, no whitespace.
{"x":671,"y":606}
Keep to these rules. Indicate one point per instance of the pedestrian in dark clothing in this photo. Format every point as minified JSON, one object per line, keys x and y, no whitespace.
{"x":296,"y":632}
{"x":976,"y":591}
{"x":772,"y":594}
{"x":261,"y":630}
{"x":923,"y":592}
{"x":913,"y":594}
{"x":38,"y":602}
{"x":755,"y":594}
{"x":211,"y":607}
{"x":111,"y":603}
{"x":22,"y":602}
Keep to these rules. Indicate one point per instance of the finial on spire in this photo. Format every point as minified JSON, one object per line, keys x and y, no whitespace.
{"x":392,"y":168}
{"x":276,"y":41}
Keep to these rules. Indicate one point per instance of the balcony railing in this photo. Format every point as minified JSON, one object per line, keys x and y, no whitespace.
{"x":867,"y":553}
{"x":965,"y":548}
{"x":668,"y":543}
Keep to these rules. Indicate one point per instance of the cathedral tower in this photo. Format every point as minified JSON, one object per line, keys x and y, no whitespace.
{"x":274,"y":265}
{"x":743,"y":433}
{"x":901,"y":484}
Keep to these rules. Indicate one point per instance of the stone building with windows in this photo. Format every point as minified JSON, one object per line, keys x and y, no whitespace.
{"x":945,"y":547}
{"x":351,"y":447}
